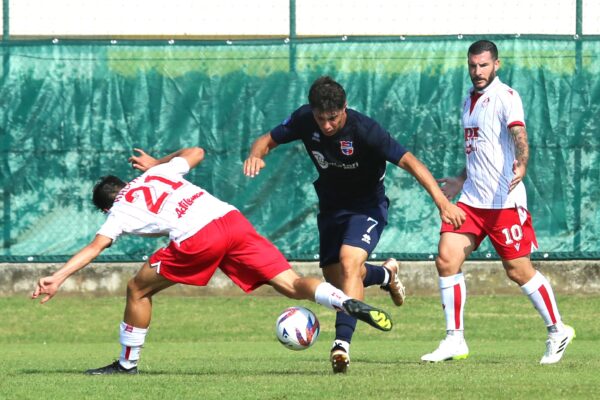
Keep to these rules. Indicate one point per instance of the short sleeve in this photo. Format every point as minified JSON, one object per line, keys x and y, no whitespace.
{"x":111,"y":227}
{"x":515,"y":116}
{"x":385,"y":144}
{"x":291,"y":128}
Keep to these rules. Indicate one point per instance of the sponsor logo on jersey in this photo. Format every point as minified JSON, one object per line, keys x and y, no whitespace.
{"x":316,"y":137}
{"x":323,"y":163}
{"x":471,"y":136}
{"x":485,"y":102}
{"x":186,"y":203}
{"x":320,"y":159}
{"x":347,"y":147}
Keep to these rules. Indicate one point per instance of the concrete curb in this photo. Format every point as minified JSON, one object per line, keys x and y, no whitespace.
{"x":419,"y":277}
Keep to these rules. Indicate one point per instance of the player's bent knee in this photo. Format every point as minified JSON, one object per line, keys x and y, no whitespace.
{"x":350,"y":268}
{"x":133,"y":289}
{"x":446,"y":266}
{"x":441,"y":262}
{"x":137,"y":288}
{"x":513,"y":275}
{"x":518,"y":276}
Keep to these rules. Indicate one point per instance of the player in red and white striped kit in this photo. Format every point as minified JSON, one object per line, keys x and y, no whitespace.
{"x":205,"y":234}
{"x":494,"y":199}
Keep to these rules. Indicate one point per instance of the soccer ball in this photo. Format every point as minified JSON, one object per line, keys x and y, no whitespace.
{"x":297,"y":328}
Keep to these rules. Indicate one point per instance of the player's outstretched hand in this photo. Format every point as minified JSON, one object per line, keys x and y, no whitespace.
{"x":450,"y":186}
{"x":143,"y":161}
{"x":519,"y":172}
{"x":452,"y":214}
{"x":253,"y":165}
{"x":49,"y":286}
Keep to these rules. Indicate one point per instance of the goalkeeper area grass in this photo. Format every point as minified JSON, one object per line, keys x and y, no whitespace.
{"x":225,"y":348}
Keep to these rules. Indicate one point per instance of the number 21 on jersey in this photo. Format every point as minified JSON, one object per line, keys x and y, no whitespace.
{"x":153,"y":205}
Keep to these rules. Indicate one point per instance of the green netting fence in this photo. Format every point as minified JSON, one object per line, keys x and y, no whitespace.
{"x":73,"y":111}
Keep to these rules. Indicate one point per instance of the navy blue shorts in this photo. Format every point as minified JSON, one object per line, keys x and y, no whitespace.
{"x":358,"y":228}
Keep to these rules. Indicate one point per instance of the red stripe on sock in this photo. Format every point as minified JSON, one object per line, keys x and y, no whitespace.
{"x":127,"y":352}
{"x":547,"y":302}
{"x":457,"y":302}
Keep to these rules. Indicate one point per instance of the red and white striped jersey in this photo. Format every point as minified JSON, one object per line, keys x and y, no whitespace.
{"x":161,"y":203}
{"x":490,"y":150}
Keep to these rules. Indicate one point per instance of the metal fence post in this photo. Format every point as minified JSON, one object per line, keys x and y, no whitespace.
{"x":578,"y":105}
{"x":5,"y":21}
{"x":6,"y":224}
{"x":292,"y":35}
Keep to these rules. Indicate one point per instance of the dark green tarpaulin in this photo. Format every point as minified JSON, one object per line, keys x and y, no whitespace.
{"x":73,"y":112}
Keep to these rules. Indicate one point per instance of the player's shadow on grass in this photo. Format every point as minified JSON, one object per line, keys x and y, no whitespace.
{"x":419,"y":362}
{"x":51,"y":372}
{"x":386,"y":362}
{"x":173,"y":373}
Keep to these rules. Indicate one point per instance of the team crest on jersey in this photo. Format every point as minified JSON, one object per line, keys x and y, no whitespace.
{"x":485,"y":102}
{"x":347,"y":147}
{"x":316,"y":137}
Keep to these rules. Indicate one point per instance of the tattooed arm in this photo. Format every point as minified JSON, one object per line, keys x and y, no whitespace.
{"x":519,"y":135}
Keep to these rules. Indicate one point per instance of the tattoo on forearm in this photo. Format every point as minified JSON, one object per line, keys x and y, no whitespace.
{"x":519,"y":135}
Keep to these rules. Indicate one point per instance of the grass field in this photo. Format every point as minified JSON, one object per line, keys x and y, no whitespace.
{"x":225,"y":348}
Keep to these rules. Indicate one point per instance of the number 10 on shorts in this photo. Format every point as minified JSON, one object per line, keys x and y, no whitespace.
{"x":514,"y":234}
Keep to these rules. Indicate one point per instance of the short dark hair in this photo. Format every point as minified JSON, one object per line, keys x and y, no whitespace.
{"x":325,"y":94}
{"x":483,"y":45}
{"x":106,"y":190}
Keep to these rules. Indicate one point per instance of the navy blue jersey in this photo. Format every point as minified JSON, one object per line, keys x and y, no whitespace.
{"x":351,"y":163}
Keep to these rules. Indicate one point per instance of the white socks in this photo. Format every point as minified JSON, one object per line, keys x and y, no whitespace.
{"x":132,"y":339}
{"x":386,"y":280}
{"x":454,"y":294}
{"x":540,"y":293}
{"x":329,"y":296}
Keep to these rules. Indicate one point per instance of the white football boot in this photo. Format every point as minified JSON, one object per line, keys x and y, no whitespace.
{"x":340,"y":356}
{"x":451,"y":348}
{"x":556,"y":345}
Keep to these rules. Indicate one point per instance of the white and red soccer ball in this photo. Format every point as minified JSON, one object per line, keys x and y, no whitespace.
{"x":297,"y":328}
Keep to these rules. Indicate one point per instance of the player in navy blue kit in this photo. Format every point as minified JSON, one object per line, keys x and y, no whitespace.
{"x":350,"y":151}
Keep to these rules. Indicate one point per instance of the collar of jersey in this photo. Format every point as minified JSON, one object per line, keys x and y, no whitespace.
{"x":492,"y":85}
